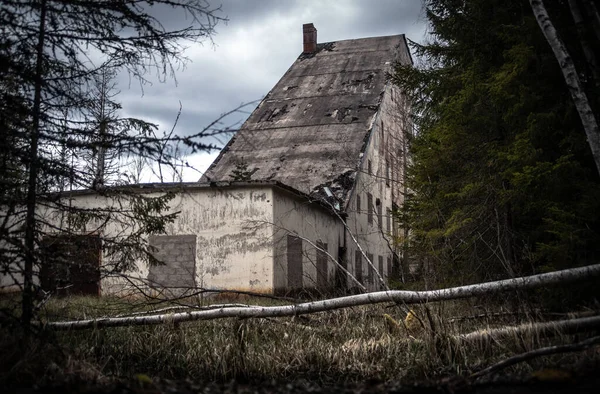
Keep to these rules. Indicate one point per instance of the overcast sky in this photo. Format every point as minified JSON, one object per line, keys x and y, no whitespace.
{"x":251,"y":53}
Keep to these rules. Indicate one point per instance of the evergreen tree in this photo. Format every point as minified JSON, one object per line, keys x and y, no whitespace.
{"x":241,"y":172}
{"x":46,"y":47}
{"x":503,"y":182}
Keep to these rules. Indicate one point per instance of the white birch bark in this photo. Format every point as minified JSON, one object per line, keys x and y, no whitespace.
{"x":406,"y":297}
{"x":569,"y":326}
{"x":567,"y":67}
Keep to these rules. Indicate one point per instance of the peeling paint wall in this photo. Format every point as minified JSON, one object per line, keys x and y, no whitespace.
{"x":233,"y":233}
{"x":234,"y":236}
{"x":380,"y":179}
{"x":238,"y":237}
{"x":312,"y":224}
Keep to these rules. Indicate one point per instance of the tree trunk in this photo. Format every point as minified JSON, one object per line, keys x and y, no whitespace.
{"x":588,"y":52}
{"x":405,"y":297}
{"x":567,"y":66}
{"x":30,"y":222}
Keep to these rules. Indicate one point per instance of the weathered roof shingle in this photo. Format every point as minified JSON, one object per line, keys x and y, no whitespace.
{"x":310,"y":129}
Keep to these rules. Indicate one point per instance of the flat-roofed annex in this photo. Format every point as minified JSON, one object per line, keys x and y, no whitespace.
{"x":311,"y":128}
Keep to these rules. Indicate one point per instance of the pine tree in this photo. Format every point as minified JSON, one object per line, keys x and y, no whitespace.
{"x":503,"y":180}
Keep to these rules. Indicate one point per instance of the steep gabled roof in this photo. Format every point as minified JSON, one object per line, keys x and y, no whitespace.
{"x":310,"y":129}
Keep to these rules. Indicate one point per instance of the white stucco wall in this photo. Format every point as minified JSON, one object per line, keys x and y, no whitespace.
{"x":233,"y":228}
{"x":241,"y":236}
{"x":234,"y":242}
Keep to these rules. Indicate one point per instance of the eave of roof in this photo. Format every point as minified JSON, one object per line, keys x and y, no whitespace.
{"x":182,"y":187}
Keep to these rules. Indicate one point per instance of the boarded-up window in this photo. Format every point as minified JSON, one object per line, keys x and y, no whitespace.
{"x":321,"y":264}
{"x":379,"y":214}
{"x":358,"y":273}
{"x":71,"y":264}
{"x":294,"y":262}
{"x":370,"y":271}
{"x":176,"y":257}
{"x":370,"y":208}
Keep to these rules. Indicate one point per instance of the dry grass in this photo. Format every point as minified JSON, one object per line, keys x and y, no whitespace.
{"x":373,"y":342}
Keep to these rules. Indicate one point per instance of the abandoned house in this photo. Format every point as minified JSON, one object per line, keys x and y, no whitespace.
{"x":300,"y":198}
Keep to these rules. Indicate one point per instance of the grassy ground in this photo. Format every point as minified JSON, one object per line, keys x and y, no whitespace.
{"x":373,"y":342}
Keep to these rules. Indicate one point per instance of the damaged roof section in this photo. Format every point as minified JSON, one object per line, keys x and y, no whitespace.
{"x":309,"y":130}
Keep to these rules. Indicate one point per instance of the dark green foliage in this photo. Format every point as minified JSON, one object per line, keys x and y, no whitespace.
{"x":503,"y":182}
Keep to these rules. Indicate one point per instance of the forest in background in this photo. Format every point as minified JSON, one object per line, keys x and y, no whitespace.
{"x":502,"y":180}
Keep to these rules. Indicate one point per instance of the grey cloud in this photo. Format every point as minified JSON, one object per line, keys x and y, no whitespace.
{"x":253,"y":50}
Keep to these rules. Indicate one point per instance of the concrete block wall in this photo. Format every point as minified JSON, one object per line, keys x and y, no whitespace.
{"x":178,"y":253}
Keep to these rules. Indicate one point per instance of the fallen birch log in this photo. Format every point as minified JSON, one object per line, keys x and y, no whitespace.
{"x":570,"y":326}
{"x":401,"y":296}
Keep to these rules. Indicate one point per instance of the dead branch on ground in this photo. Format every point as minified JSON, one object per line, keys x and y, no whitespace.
{"x":575,"y":347}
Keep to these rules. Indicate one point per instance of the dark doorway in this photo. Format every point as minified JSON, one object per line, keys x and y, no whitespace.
{"x":341,"y":278}
{"x":71,"y":264}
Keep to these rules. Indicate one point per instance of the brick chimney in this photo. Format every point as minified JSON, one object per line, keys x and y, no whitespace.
{"x":310,"y":38}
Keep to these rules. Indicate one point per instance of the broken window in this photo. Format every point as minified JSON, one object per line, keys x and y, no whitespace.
{"x":369,"y":168}
{"x":388,"y":220}
{"x":321,"y":264}
{"x":358,"y":266}
{"x":357,"y":202}
{"x":379,"y":214}
{"x":294,"y":260}
{"x":381,"y":265}
{"x":175,"y":267}
{"x":369,"y":208}
{"x":389,"y":267}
